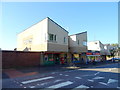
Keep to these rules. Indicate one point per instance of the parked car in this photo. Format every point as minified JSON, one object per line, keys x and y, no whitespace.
{"x":114,"y":59}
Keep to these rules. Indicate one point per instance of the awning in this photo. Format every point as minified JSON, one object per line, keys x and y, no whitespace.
{"x":93,"y":55}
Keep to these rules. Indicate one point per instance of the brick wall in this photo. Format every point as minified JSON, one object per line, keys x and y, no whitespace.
{"x":13,"y":59}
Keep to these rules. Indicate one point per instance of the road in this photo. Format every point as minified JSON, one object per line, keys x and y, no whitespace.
{"x":104,"y":76}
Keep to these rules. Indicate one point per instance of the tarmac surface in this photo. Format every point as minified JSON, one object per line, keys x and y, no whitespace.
{"x":102,"y":75}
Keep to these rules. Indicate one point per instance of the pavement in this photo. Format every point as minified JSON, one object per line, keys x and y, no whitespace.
{"x":29,"y":71}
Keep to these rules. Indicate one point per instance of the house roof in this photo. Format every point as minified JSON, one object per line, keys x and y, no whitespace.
{"x":42,"y":20}
{"x":78,"y":33}
{"x":57,"y":24}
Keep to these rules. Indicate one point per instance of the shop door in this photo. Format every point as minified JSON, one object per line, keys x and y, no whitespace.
{"x":56,"y":58}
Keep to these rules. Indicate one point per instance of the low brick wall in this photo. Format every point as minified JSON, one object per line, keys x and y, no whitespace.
{"x":13,"y":59}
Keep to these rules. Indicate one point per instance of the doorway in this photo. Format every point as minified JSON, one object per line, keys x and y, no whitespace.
{"x":56,"y":58}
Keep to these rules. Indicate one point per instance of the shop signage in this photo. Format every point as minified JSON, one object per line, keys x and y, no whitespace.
{"x":93,"y":53}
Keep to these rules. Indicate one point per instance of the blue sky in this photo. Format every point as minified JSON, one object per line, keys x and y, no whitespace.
{"x":99,"y":19}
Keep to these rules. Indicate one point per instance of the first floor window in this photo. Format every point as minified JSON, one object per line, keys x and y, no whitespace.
{"x":84,"y":43}
{"x":64,"y":39}
{"x":51,"y":37}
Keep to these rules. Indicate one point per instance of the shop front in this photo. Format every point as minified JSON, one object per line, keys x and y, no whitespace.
{"x":93,"y":56}
{"x":53,"y":58}
{"x":76,"y":58}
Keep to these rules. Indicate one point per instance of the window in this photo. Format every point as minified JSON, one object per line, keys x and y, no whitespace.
{"x":55,"y":37}
{"x":78,"y":42}
{"x":51,"y":36}
{"x":64,"y":39}
{"x":27,"y":41}
{"x":84,"y":43}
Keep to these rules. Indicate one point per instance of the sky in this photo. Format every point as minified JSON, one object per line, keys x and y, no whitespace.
{"x":99,"y":19}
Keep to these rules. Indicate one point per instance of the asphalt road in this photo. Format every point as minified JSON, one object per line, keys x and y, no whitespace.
{"x":105,"y":76}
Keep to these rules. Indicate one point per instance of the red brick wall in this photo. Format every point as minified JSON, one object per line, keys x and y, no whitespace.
{"x":13,"y":59}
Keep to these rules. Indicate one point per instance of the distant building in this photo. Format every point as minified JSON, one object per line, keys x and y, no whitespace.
{"x":99,"y":48}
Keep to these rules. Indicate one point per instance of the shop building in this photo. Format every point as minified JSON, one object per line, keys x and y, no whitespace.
{"x":78,"y":47}
{"x":46,"y":37}
{"x":96,"y":47}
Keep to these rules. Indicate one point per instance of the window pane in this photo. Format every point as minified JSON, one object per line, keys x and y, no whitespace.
{"x":64,"y":39}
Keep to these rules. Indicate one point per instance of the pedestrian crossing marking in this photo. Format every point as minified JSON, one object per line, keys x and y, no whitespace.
{"x":112,"y":81}
{"x":103,"y":83}
{"x":90,"y":80}
{"x":96,"y":73}
{"x":82,"y":86}
{"x":98,"y":78}
{"x":32,"y":86}
{"x":61,"y":84}
{"x":35,"y":80}
{"x":57,"y":81}
{"x":66,"y":75}
{"x":78,"y":77}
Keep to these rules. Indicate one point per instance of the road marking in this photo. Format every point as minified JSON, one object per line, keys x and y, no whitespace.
{"x":66,"y":75}
{"x":78,"y":77}
{"x":103,"y":83}
{"x":60,"y":74}
{"x":90,"y":80}
{"x":98,"y":78}
{"x":82,"y":86}
{"x":112,"y":81}
{"x":96,"y":73}
{"x":57,"y":81}
{"x":32,"y":86}
{"x":118,"y":87}
{"x":61,"y":84}
{"x":35,"y":80}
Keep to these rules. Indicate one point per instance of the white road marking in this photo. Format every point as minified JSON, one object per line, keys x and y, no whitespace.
{"x":32,"y":86}
{"x":103,"y":83}
{"x":24,"y":87}
{"x":82,"y":86}
{"x":35,"y":80}
{"x":96,"y":73}
{"x":61,"y":84}
{"x":90,"y":80}
{"x":98,"y":78}
{"x":91,"y":86}
{"x":78,"y":77}
{"x":110,"y":69}
{"x":60,"y":74}
{"x":66,"y":75}
{"x":112,"y":81}
{"x":57,"y":81}
{"x":118,"y":87}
